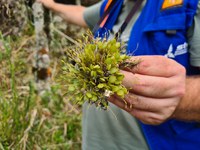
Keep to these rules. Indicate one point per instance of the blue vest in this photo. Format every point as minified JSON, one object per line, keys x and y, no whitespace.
{"x":162,"y":32}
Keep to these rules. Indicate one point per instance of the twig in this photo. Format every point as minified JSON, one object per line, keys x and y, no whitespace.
{"x":25,"y":136}
{"x":54,"y":70}
{"x":113,"y":113}
{"x":65,"y":129}
{"x":24,"y":43}
{"x":11,"y":145}
{"x":19,"y":88}
{"x":64,"y":35}
{"x":72,"y":108}
{"x":41,"y":122}
{"x":52,"y":129}
{"x":30,"y":57}
{"x":7,"y":33}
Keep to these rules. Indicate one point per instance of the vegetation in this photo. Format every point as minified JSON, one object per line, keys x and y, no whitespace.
{"x":27,"y":120}
{"x":49,"y":121}
{"x":94,"y":72}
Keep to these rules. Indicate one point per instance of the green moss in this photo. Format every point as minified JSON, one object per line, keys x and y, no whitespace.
{"x":95,"y":71}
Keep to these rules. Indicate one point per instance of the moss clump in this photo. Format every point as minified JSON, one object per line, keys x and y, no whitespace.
{"x":94,"y":73}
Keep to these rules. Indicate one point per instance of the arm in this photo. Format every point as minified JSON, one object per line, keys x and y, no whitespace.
{"x":189,"y":108}
{"x":70,"y":13}
{"x":159,"y":90}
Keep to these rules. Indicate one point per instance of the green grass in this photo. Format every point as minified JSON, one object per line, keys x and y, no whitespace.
{"x":29,"y":121}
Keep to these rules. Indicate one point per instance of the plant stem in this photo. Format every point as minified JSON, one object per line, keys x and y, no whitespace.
{"x":1,"y":146}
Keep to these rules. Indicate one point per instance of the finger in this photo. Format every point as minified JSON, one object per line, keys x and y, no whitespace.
{"x":151,"y":86}
{"x":156,"y":66}
{"x":120,"y":103}
{"x":147,"y":117}
{"x":150,"y":104}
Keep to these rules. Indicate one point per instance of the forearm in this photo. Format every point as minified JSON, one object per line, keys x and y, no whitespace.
{"x":189,"y":107}
{"x":70,"y":13}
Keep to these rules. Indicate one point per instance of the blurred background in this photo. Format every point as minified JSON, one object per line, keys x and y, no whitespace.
{"x":34,"y":114}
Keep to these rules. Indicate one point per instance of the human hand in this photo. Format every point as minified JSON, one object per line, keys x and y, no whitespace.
{"x":47,"y":3}
{"x":156,"y":86}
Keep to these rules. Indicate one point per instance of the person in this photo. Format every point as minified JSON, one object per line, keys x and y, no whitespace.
{"x":164,"y":101}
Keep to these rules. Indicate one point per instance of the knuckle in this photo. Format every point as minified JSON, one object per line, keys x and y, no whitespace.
{"x":156,"y":122}
{"x":151,"y":121}
{"x":181,"y":70}
{"x":159,"y":120}
{"x":171,"y":109}
{"x":166,"y":113}
{"x":175,"y":68}
{"x":181,"y":91}
{"x":144,"y":64}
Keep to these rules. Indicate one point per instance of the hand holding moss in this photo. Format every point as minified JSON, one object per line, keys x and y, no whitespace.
{"x":156,"y":86}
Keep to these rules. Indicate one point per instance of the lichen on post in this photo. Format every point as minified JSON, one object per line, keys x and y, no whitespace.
{"x":41,"y":60}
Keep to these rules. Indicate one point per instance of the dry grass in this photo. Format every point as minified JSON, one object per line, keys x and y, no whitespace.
{"x":29,"y":121}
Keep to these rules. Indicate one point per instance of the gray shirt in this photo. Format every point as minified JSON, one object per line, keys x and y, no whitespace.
{"x":194,"y":40}
{"x":115,"y":129}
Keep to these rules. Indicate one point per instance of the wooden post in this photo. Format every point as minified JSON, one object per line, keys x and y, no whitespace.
{"x":41,"y":60}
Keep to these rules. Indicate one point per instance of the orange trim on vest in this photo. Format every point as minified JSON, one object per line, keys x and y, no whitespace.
{"x":105,"y":19}
{"x":171,"y":3}
{"x":108,"y":4}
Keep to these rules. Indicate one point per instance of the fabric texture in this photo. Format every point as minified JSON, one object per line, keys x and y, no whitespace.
{"x":194,"y":40}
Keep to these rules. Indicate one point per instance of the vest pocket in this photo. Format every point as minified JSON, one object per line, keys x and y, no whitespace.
{"x":166,"y":33}
{"x":170,"y":22}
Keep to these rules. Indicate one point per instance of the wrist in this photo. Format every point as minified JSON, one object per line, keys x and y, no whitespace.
{"x":188,"y":108}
